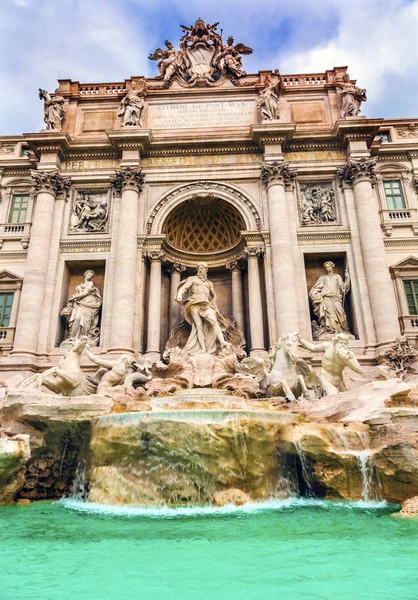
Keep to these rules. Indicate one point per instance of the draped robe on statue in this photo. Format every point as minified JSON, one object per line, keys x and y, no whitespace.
{"x":327,"y":299}
{"x":206,"y":308}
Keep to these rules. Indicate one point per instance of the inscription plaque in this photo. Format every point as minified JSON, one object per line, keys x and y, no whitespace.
{"x":190,"y":115}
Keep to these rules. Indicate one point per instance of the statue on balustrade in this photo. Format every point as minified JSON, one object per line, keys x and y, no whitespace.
{"x":327,"y":295}
{"x":204,"y":330}
{"x":132,"y":105}
{"x":268,"y":99}
{"x":53,"y":110}
{"x":336,"y":358}
{"x":352,"y":96}
{"x":89,"y":213}
{"x":83,"y":311}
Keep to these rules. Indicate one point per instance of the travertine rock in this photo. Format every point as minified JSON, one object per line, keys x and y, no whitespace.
{"x":14,"y":453}
{"x":231,"y":496}
{"x":409,"y":509}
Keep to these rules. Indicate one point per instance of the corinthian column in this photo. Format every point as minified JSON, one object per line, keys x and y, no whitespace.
{"x":129,"y":182}
{"x":47,"y":184}
{"x":154,"y":305}
{"x":237,"y":303}
{"x":254,"y":301}
{"x":274,"y":176}
{"x":382,"y":296}
{"x":175,"y":270}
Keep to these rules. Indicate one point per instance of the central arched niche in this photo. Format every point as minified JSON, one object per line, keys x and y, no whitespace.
{"x":204,"y":224}
{"x":206,"y":228}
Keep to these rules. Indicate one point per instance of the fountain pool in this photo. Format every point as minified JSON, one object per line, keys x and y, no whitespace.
{"x":293,"y":549}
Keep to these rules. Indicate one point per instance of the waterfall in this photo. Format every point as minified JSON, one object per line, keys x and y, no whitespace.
{"x":304,"y":468}
{"x":366,"y":468}
{"x":79,"y":485}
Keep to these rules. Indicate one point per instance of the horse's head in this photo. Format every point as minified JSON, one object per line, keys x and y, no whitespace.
{"x":79,"y":345}
{"x":289,"y":343}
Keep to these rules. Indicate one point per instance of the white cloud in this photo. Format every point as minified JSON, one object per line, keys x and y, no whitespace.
{"x":109,"y":40}
{"x":376,"y":40}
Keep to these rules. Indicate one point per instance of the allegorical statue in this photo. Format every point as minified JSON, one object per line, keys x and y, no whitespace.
{"x":352,"y":95}
{"x":132,"y":105}
{"x":169,"y":61}
{"x":230,"y":58}
{"x":336,"y":358}
{"x":82,"y":311}
{"x":268,"y":99}
{"x":53,"y":110}
{"x":198,"y":297}
{"x":327,"y":296}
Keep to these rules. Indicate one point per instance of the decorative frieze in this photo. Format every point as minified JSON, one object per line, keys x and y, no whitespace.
{"x":317,"y":204}
{"x":85,"y":246}
{"x":131,"y":179}
{"x":324,"y":237}
{"x":89,"y":212}
{"x":50,"y":181}
{"x":357,"y":170}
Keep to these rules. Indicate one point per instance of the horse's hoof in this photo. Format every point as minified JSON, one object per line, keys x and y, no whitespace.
{"x":290,"y":398}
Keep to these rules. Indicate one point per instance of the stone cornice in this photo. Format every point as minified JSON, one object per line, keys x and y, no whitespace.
{"x":131,"y":138}
{"x":83,"y":245}
{"x":50,"y":181}
{"x":400,"y":242}
{"x":324,"y":237}
{"x":49,"y":141}
{"x":357,"y":128}
{"x":272,"y":132}
{"x":128,"y":179}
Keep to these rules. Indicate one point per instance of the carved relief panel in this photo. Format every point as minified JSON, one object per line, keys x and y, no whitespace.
{"x":317,"y":204}
{"x":89,"y":212}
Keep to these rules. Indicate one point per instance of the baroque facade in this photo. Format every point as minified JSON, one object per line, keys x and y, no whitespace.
{"x":264,"y":177}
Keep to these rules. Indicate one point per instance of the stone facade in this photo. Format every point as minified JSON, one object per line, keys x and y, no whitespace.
{"x":144,"y":179}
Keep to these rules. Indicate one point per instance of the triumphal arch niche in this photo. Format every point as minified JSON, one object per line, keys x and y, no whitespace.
{"x":299,"y":213}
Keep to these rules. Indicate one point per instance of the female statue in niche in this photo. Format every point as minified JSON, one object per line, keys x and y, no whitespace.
{"x":327,"y":296}
{"x":82,"y":311}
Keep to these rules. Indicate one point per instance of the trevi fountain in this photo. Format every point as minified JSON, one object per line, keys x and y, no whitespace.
{"x":206,"y":395}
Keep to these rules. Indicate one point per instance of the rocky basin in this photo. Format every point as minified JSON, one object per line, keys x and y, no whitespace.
{"x":208,"y":446}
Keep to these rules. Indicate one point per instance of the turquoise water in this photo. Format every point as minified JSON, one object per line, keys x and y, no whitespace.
{"x":288,"y":550}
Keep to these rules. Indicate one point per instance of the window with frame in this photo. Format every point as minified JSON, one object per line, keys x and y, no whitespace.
{"x":383,"y":136}
{"x":24,"y":151}
{"x":6,"y":301}
{"x":411,"y":293}
{"x":19,"y":208}
{"x":394,"y":195}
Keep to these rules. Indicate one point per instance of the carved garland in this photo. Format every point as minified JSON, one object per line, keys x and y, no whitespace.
{"x":205,"y":185}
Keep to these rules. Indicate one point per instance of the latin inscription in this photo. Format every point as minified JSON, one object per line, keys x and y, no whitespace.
{"x":314,"y":156}
{"x":187,"y":161}
{"x":201,"y":114}
{"x":91,"y":165}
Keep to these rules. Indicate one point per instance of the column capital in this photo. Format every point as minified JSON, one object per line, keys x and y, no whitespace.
{"x":128,"y":179}
{"x":51,"y":182}
{"x":175,"y":267}
{"x":234,"y":265}
{"x":253,"y":252}
{"x":156,"y":255}
{"x":277,"y":173}
{"x":358,"y":170}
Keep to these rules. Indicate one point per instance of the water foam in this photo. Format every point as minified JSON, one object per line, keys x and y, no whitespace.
{"x":166,"y":512}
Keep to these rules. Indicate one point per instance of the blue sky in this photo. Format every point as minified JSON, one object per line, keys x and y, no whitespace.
{"x":109,"y":40}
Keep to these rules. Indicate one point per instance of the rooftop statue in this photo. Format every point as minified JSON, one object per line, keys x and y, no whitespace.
{"x":268,"y":99}
{"x":202,"y":58}
{"x":53,"y":109}
{"x":352,"y":96}
{"x":132,"y":105}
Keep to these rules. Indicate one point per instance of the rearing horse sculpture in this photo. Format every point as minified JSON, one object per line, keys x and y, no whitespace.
{"x":67,"y":378}
{"x":282,"y":373}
